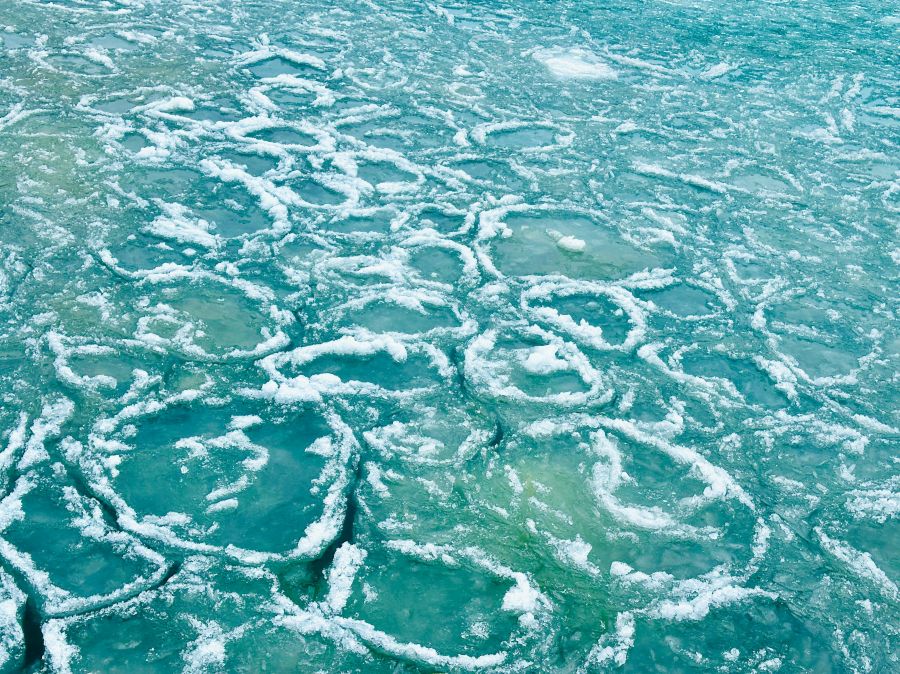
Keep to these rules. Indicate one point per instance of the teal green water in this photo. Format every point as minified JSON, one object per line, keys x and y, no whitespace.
{"x":417,"y":337}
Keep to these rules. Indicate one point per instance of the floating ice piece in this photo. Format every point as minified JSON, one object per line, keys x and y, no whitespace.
{"x":203,"y":474}
{"x":717,"y":71}
{"x":176,"y":223}
{"x":574,"y":63}
{"x":351,"y":568}
{"x":571,"y":244}
{"x":543,"y":360}
{"x":267,"y":51}
{"x":699,"y":606}
{"x":63,"y":351}
{"x":42,"y":518}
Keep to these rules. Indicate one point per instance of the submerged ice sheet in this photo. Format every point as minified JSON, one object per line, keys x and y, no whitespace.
{"x":398,"y":337}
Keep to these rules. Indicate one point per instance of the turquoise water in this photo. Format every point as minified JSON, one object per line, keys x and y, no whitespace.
{"x":416,"y":337}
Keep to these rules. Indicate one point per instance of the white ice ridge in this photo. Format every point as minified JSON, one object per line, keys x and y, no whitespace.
{"x":12,"y":601}
{"x":48,"y":424}
{"x":265,"y":50}
{"x":17,"y":113}
{"x":859,"y":563}
{"x":347,"y":560}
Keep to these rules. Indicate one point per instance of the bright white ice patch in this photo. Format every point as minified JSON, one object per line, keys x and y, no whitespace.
{"x":574,"y":62}
{"x":571,"y":244}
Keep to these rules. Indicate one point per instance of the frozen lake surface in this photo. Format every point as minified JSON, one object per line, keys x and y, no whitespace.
{"x":401,"y":336}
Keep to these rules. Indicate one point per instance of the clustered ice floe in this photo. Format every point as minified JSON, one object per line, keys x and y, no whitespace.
{"x":482,"y":337}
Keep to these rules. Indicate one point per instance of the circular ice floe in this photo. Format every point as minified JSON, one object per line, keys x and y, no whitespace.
{"x":385,"y":170}
{"x":89,"y":62}
{"x":608,"y":478}
{"x":532,"y":365}
{"x":232,"y":477}
{"x":271,"y":60}
{"x":114,"y":369}
{"x":816,"y":343}
{"x":283,"y":88}
{"x":523,"y":136}
{"x":403,"y":313}
{"x":687,"y":301}
{"x":415,"y":602}
{"x":274,"y":135}
{"x":479,"y":171}
{"x":65,"y":351}
{"x":48,"y":515}
{"x":721,"y":377}
{"x":363,"y":223}
{"x":622,"y":449}
{"x":443,"y":260}
{"x":325,"y":191}
{"x":184,"y":206}
{"x":516,"y":238}
{"x":210,"y":317}
{"x":445,"y":219}
{"x":582,"y":331}
{"x":720,"y":485}
{"x":50,"y":519}
{"x":438,"y":430}
{"x":465,"y":91}
{"x":220,"y":627}
{"x":376,"y":79}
